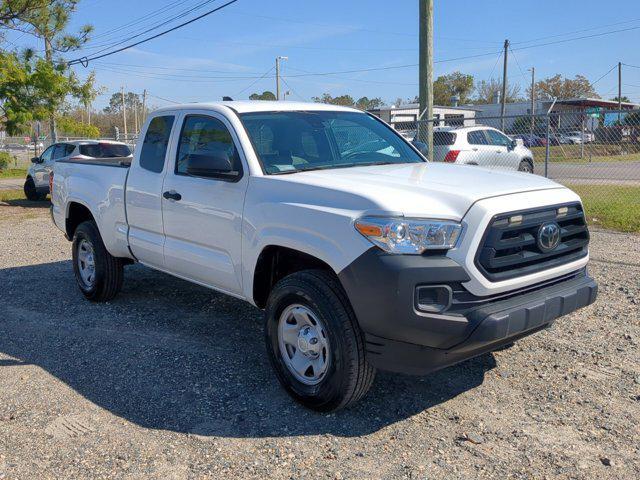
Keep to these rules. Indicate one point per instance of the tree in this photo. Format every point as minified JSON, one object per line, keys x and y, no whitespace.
{"x":344,"y":100}
{"x":53,"y":80}
{"x":366,"y":103}
{"x":489,"y":91}
{"x":561,"y":87}
{"x":131,"y":101}
{"x":71,"y":126}
{"x":11,"y":10}
{"x":266,"y":95}
{"x":624,"y":99}
{"x":454,"y":84}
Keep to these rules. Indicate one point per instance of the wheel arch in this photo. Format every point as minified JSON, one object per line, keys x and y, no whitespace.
{"x":276,"y":262}
{"x":77,"y":213}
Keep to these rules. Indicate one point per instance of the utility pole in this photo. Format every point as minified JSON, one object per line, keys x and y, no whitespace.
{"x":533,"y":100}
{"x":124,"y":113}
{"x":144,"y":105}
{"x":426,"y":73}
{"x":135,"y":116}
{"x":504,"y":84}
{"x":278,"y":75}
{"x":619,"y":91}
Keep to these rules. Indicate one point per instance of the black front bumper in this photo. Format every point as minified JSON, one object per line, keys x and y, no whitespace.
{"x":402,"y":339}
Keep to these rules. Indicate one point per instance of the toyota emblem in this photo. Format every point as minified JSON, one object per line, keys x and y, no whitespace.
{"x":548,"y":236}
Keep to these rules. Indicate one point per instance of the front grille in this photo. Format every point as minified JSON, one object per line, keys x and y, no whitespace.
{"x":510,"y":248}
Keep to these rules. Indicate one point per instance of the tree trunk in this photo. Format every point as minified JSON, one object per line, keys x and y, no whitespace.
{"x":53,"y":133}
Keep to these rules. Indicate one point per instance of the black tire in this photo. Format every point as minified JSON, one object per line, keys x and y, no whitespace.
{"x":30,"y":191}
{"x":526,"y":166}
{"x":109,"y":272}
{"x":348,"y":376}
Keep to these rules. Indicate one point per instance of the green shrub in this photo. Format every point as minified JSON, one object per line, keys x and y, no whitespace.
{"x":5,"y":160}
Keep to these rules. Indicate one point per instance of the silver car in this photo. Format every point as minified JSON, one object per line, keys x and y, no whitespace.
{"x":36,"y":185}
{"x":483,"y":146}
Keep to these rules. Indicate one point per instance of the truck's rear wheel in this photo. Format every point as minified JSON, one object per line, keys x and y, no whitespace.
{"x":98,"y":273}
{"x":314,"y":342}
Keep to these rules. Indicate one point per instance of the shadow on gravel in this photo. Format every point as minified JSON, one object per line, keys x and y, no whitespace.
{"x":24,"y":203}
{"x":170,"y":355}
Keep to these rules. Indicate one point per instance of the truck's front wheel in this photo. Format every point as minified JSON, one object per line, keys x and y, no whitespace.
{"x":314,"y":342}
{"x":98,"y":273}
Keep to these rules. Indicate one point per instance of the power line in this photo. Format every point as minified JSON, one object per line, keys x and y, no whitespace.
{"x":86,"y":60}
{"x":601,"y":77}
{"x":162,"y":23}
{"x":632,"y":66}
{"x":253,"y":83}
{"x":610,"y":32}
{"x":576,"y":31}
{"x":294,"y":92}
{"x":163,"y":99}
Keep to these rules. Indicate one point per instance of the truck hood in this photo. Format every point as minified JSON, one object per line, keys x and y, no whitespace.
{"x":434,"y":190}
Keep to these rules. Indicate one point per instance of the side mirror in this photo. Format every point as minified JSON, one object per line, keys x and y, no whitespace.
{"x":35,"y":160}
{"x":514,"y":144}
{"x":216,"y":165}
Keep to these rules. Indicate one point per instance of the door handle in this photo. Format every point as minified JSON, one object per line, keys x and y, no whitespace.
{"x":173,"y":195}
{"x":474,"y":149}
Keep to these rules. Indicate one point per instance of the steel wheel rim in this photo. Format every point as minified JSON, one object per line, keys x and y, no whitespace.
{"x":303,"y":344}
{"x":86,"y":263}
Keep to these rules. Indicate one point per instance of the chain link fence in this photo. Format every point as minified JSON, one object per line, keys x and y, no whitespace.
{"x":22,"y":149}
{"x":596,"y":154}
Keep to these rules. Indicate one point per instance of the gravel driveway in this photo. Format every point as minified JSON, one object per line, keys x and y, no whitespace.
{"x":171,"y":380}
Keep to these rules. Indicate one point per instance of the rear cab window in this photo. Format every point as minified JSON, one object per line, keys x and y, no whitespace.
{"x":104,"y":150}
{"x":156,"y":140}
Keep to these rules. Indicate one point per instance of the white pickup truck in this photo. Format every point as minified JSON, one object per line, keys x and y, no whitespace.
{"x":362,"y":254}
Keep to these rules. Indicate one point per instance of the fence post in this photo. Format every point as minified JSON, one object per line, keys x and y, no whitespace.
{"x":546,"y":151}
{"x":582,"y":135}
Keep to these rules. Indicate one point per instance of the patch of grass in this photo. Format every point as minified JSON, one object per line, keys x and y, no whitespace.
{"x":13,"y":173}
{"x":592,"y":153}
{"x":611,"y":206}
{"x":9,"y":195}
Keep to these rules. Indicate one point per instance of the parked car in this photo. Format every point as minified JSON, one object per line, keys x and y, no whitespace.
{"x":577,"y":137}
{"x":529,"y":140}
{"x":362,"y":254}
{"x":482,"y":146}
{"x":36,"y":185}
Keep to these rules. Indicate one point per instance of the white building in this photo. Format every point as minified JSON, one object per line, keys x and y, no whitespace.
{"x":404,"y":117}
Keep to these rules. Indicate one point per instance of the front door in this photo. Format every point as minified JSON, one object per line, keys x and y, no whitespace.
{"x":144,"y":192}
{"x":203,"y":216}
{"x":39,"y":169}
{"x":504,"y":157}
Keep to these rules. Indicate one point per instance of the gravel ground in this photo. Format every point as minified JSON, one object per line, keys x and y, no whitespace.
{"x":170,"y":380}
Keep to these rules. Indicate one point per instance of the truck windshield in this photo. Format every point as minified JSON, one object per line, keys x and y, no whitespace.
{"x":289,"y":142}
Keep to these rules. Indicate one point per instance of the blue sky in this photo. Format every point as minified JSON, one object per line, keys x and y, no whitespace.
{"x":242,"y":41}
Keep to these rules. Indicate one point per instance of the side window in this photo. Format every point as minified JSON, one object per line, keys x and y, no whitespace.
{"x":59,"y":151}
{"x":477,"y":137}
{"x":204,"y":137}
{"x":47,"y":154}
{"x":156,"y":140}
{"x":496,"y":138}
{"x":69,"y":150}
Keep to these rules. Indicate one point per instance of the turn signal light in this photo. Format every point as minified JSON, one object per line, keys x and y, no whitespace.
{"x":452,"y":155}
{"x":51,"y":184}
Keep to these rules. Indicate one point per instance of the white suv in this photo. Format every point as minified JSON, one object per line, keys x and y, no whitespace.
{"x":483,"y":146}
{"x":36,"y":185}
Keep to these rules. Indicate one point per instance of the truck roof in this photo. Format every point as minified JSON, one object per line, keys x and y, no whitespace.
{"x":246,"y":106}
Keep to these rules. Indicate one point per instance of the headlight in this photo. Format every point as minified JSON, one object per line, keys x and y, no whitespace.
{"x":409,"y":236}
